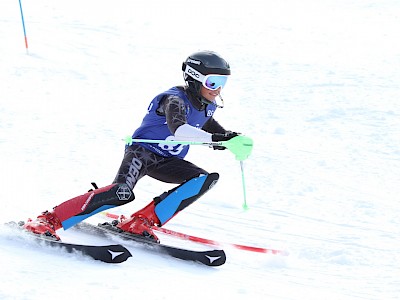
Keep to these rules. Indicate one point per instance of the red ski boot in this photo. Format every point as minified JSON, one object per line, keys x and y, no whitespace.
{"x":46,"y":224}
{"x":140,"y":223}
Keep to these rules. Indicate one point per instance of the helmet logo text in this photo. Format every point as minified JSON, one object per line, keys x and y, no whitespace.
{"x":196,"y":62}
{"x":192,"y":72}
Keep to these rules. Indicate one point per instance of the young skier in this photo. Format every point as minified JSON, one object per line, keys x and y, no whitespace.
{"x":182,"y":113}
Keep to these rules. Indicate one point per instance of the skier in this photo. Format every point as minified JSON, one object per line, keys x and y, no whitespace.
{"x":182,"y":113}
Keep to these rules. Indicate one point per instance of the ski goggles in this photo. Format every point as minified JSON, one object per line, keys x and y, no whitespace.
{"x":210,"y":81}
{"x":214,"y":81}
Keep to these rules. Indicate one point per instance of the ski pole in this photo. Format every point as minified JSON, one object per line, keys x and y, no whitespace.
{"x":129,"y":141}
{"x":23,"y":26}
{"x":240,"y":145}
{"x":245,"y":207}
{"x":205,"y":241}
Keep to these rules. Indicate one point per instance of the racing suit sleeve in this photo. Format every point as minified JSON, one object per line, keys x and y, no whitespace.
{"x":213,"y":126}
{"x":174,"y":110}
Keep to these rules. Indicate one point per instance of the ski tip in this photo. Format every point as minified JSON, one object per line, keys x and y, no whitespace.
{"x":214,"y":258}
{"x":117,"y":254}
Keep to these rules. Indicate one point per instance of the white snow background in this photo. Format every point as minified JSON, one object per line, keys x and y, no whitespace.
{"x":314,"y":83}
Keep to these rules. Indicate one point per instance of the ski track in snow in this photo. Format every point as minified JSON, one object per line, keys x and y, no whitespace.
{"x":314,"y":83}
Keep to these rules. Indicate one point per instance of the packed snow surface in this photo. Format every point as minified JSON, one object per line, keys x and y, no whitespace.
{"x":314,"y":83}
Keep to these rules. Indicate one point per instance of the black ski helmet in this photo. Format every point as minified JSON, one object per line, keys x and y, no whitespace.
{"x":207,"y":62}
{"x":204,"y":62}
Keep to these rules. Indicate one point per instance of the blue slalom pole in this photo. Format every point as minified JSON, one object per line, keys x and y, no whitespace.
{"x":23,"y":26}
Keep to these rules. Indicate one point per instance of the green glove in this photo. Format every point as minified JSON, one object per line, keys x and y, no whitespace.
{"x":240,"y":146}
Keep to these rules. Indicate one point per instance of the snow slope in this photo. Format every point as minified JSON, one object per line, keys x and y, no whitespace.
{"x":314,"y":83}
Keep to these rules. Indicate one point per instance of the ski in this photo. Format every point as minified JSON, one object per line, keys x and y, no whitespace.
{"x":211,"y":258}
{"x":108,"y":253}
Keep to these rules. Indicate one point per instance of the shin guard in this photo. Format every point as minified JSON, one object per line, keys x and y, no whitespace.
{"x":79,"y":208}
{"x":170,"y":203}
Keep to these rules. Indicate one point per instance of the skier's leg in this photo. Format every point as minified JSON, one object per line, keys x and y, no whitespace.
{"x":193,"y":183}
{"x":79,"y":208}
{"x":75,"y":210}
{"x":135,"y":164}
{"x":166,"y":206}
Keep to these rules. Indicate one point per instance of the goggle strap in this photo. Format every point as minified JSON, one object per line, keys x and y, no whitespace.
{"x":193,"y":73}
